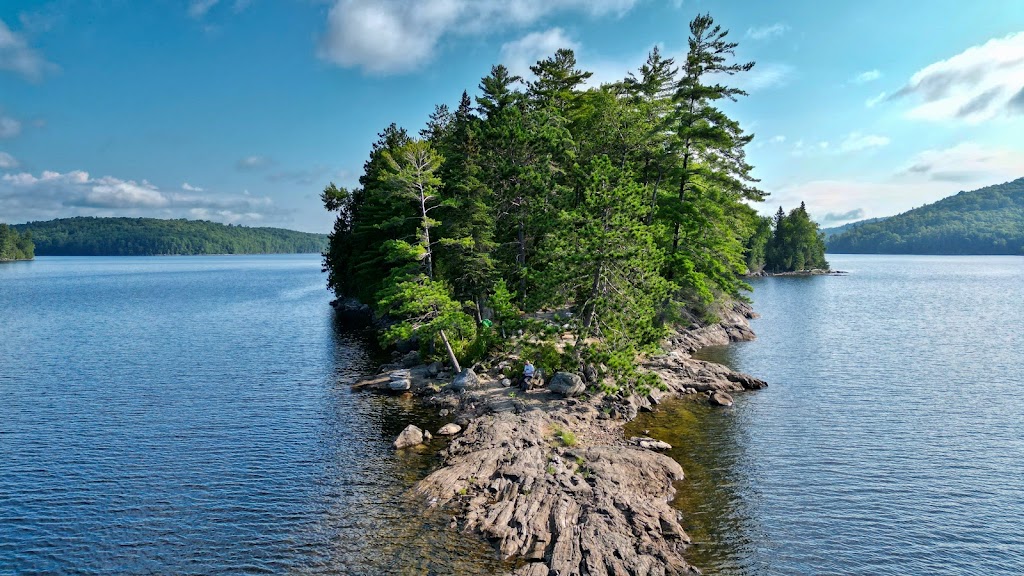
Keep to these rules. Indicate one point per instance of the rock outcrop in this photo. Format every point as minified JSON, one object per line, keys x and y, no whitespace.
{"x":582,"y":510}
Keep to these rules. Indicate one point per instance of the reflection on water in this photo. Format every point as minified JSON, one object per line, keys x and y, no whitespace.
{"x":193,"y":415}
{"x":890,"y":439}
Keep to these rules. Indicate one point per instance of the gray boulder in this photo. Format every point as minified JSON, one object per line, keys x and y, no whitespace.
{"x":505,"y":382}
{"x":435,"y":368}
{"x":411,"y":436}
{"x":465,"y":379}
{"x":410,"y":359}
{"x":399,"y":380}
{"x":567,"y":384}
{"x":449,"y":429}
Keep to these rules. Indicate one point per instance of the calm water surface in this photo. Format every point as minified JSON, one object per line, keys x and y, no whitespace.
{"x":891,"y":439}
{"x":192,"y":415}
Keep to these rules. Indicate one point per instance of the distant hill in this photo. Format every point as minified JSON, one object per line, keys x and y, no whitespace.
{"x":985,"y":221}
{"x":87,"y":236}
{"x":837,"y":230}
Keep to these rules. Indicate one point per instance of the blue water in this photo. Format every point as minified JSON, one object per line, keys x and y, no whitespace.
{"x":192,"y":415}
{"x":891,"y":438}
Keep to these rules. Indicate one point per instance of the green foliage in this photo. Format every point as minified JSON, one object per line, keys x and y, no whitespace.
{"x":566,"y":437}
{"x":88,"y":236}
{"x":624,"y":204}
{"x":14,"y":246}
{"x":796,"y":243}
{"x":985,"y":221}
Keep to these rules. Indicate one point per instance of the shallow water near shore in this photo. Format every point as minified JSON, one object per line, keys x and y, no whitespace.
{"x":891,"y":438}
{"x":192,"y":415}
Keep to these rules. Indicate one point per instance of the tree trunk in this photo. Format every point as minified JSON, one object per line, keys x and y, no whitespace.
{"x":451,"y":353}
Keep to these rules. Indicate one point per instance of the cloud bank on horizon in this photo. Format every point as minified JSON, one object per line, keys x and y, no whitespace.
{"x":248,"y":133}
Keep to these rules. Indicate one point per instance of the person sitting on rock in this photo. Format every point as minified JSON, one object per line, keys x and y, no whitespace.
{"x":528,"y":374}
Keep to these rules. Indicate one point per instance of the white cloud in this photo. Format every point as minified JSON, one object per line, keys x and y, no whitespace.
{"x":254,"y":162}
{"x":520,"y":54}
{"x":25,"y":196}
{"x":9,"y":127}
{"x":778,"y":139}
{"x":17,"y":56}
{"x":394,"y":36}
{"x":855,"y":142}
{"x":872,"y":102}
{"x":929,"y":176}
{"x":767,"y":32}
{"x":7,"y":161}
{"x":762,"y":77}
{"x":976,"y":85}
{"x":865,"y":77}
{"x":967,"y":163}
{"x":190,"y":188}
{"x":199,"y":8}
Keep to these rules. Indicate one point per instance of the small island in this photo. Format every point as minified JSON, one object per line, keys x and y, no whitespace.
{"x":15,"y":246}
{"x":601,"y":234}
{"x":91,"y":236}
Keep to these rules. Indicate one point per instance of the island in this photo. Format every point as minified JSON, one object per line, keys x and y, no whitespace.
{"x":600,"y":235}
{"x":989,"y":221}
{"x":91,"y":236}
{"x":15,"y":246}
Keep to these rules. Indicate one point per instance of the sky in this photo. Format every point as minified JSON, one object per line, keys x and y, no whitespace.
{"x":241,"y":111}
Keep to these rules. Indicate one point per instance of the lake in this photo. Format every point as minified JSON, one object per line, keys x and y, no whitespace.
{"x":891,"y":438}
{"x":192,"y":415}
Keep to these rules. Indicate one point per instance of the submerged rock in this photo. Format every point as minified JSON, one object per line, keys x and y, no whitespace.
{"x":720,"y":399}
{"x":567,"y":384}
{"x":449,"y":429}
{"x":651,"y":444}
{"x":411,"y":436}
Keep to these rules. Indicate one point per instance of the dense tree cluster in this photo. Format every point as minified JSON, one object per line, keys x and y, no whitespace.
{"x":14,"y":246}
{"x":623,"y":204}
{"x":985,"y":221}
{"x":787,"y":243}
{"x":88,"y":236}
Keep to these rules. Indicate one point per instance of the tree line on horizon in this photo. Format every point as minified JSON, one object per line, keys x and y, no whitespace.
{"x":15,"y":246}
{"x":989,"y":220}
{"x":92,"y":236}
{"x":627,"y":204}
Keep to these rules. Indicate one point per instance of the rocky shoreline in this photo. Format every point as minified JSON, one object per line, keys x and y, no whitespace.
{"x":549,"y":478}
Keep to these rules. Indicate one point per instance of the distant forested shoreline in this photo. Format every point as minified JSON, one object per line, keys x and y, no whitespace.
{"x":987,"y":221}
{"x":15,"y":246}
{"x":90,"y":236}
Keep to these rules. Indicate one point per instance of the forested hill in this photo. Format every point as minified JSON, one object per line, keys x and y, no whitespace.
{"x":985,"y":221}
{"x":837,"y":230}
{"x":87,"y":236}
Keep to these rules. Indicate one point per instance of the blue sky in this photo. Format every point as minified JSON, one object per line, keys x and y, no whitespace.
{"x":243,"y":110}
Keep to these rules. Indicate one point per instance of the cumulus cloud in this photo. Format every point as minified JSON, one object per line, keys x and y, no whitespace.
{"x":254,"y":162}
{"x":855,"y":142}
{"x":25,"y":196}
{"x":975,"y":85}
{"x":18,"y":57}
{"x":967,"y":163}
{"x":190,"y":188}
{"x":520,"y":54}
{"x":7,"y":162}
{"x":9,"y":127}
{"x":395,"y":36}
{"x":868,"y":76}
{"x":767,"y":32}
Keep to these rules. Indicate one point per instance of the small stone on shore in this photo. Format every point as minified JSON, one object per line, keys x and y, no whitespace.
{"x":449,"y":429}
